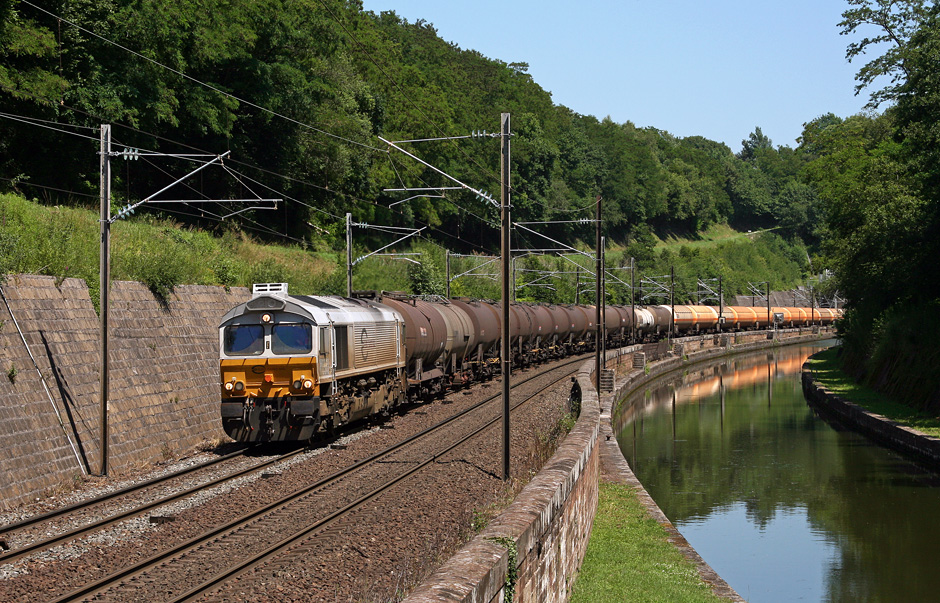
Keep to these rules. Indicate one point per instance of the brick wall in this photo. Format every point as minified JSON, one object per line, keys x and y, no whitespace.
{"x":164,"y":369}
{"x":59,"y":325}
{"x":164,"y":378}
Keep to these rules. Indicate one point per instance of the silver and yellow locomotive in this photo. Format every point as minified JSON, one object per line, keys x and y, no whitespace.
{"x":293,"y":365}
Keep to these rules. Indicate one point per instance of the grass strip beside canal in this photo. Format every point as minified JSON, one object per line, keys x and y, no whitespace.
{"x":630,"y":559}
{"x":828,"y":373}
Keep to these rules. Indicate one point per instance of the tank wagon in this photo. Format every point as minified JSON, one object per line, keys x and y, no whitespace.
{"x":292,"y":366}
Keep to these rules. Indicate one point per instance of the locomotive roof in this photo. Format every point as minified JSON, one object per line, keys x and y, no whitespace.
{"x":320,"y":309}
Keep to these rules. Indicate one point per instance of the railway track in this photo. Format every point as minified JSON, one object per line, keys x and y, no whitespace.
{"x":301,"y":520}
{"x":46,"y":523}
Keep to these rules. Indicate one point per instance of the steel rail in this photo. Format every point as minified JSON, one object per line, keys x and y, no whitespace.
{"x":43,"y":517}
{"x":41,"y":545}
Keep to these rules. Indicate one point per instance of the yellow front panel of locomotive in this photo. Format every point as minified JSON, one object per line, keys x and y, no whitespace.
{"x":268,"y":377}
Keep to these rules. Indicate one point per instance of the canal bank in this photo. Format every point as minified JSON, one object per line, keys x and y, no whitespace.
{"x":895,"y":434}
{"x":635,"y":371}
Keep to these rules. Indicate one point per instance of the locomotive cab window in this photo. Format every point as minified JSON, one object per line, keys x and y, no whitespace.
{"x":291,"y":339}
{"x":244,"y":340}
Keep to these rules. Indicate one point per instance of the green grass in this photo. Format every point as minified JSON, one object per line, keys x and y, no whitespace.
{"x":162,"y":253}
{"x":64,"y":242}
{"x":829,"y":374}
{"x":713,"y":235}
{"x":629,"y":558}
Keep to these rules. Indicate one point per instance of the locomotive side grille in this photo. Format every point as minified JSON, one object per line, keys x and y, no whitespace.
{"x":375,"y":344}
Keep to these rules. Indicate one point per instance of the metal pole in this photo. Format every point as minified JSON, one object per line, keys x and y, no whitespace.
{"x":348,"y":255}
{"x":597,"y":298}
{"x":104,"y":273}
{"x":721,"y":304}
{"x":767,"y":285}
{"x":577,"y":287}
{"x":672,"y":300}
{"x":633,"y":295}
{"x":447,"y":268}
{"x":603,"y":301}
{"x":506,"y":251}
{"x":812,"y":306}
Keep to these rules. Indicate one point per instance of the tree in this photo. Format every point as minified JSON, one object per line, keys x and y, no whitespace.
{"x":754,"y":145}
{"x":917,"y":116}
{"x":27,"y":50}
{"x":897,"y":20}
{"x":797,"y":210}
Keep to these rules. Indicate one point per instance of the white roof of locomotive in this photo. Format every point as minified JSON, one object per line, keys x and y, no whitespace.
{"x":321,"y":309}
{"x":341,"y":310}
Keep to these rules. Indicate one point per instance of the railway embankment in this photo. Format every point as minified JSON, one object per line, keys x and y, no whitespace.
{"x":534,"y":549}
{"x":163,"y":398}
{"x":894,"y":434}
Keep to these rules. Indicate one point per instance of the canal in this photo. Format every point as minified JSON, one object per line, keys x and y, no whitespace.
{"x":784,"y":506}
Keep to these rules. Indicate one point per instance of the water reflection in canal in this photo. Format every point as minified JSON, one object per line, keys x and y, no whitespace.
{"x":781,"y":504}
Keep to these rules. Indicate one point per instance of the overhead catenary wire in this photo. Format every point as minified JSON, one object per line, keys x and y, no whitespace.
{"x":18,"y":182}
{"x":49,"y":121}
{"x":218,"y":217}
{"x":26,"y":120}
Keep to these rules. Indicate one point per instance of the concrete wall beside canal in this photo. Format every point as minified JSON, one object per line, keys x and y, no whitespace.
{"x":544,"y":533}
{"x":906,"y":440}
{"x":164,"y":371}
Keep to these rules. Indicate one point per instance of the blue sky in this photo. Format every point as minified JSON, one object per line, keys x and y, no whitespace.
{"x":714,"y":68}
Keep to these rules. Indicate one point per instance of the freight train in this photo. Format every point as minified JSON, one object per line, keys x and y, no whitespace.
{"x":293,"y":366}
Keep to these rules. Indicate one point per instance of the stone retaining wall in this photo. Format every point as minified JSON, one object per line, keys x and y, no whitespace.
{"x":164,"y":376}
{"x":908,"y":441}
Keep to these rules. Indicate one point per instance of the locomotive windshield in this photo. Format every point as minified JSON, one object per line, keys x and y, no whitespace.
{"x":244,"y":340}
{"x":286,"y":339}
{"x":291,"y":339}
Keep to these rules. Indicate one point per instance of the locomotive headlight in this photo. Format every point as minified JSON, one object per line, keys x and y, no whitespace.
{"x":228,"y":386}
{"x":297,"y":384}
{"x":239,"y":386}
{"x":308,"y":384}
{"x":265,"y":318}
